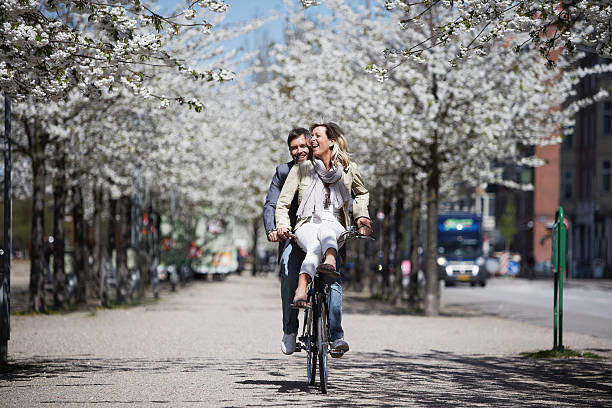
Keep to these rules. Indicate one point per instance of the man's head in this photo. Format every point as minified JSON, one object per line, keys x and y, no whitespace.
{"x":298,"y":144}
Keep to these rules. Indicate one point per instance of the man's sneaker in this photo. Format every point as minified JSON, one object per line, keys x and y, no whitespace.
{"x":339,"y":347}
{"x":288,"y":343}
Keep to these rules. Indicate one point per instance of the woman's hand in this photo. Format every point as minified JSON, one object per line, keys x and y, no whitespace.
{"x":363,"y":226}
{"x":282,"y":233}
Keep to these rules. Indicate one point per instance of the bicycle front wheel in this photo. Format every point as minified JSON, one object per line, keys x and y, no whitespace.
{"x":322,"y":343}
{"x":311,"y":355}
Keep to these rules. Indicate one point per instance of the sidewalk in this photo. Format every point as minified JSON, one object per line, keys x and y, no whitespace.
{"x":218,"y":344}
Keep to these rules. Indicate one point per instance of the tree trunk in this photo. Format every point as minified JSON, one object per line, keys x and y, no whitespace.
{"x":59,"y":215}
{"x":81,"y":266}
{"x":432,"y":293}
{"x":255,"y":240}
{"x":123,"y":275}
{"x":365,"y":260}
{"x":143,"y":262}
{"x":398,"y":227}
{"x":112,"y":228}
{"x":37,"y":262}
{"x":386,"y":244}
{"x":415,"y":237}
{"x":155,"y":236}
{"x":96,"y":272}
{"x":144,"y":266}
{"x":357,"y":273}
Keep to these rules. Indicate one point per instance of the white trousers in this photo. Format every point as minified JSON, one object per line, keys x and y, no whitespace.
{"x":315,"y":238}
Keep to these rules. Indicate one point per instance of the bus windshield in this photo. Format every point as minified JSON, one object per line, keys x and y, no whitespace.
{"x":466,"y":248}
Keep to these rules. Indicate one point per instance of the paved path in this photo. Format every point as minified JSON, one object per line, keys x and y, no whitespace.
{"x":217,"y":344}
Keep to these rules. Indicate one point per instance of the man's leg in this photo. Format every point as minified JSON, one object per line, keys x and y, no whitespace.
{"x":335,"y":310}
{"x":291,"y":260}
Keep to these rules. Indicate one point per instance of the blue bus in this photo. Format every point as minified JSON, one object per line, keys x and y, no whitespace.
{"x":460,"y":256}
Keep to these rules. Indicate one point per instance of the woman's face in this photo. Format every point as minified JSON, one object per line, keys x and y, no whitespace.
{"x":320,"y":143}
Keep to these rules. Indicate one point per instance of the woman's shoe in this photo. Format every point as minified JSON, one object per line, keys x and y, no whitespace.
{"x":328,"y":269}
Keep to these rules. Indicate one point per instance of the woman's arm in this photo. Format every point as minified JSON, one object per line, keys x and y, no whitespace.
{"x":286,"y":196}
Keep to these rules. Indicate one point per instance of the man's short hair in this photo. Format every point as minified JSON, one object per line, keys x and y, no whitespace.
{"x":297,"y":132}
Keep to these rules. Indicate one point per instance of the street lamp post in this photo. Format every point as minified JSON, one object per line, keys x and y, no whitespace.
{"x":5,"y":253}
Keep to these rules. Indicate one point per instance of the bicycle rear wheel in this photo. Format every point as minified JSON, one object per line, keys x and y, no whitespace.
{"x":322,"y":342}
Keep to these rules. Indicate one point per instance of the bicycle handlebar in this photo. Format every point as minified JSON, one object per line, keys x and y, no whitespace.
{"x":351,"y":233}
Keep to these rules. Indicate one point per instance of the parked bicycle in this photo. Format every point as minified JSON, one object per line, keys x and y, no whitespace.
{"x":315,"y":338}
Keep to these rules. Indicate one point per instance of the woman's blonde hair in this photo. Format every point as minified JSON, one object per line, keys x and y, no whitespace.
{"x":340,"y":152}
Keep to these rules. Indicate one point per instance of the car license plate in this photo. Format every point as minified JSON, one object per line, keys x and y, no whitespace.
{"x":463,"y":278}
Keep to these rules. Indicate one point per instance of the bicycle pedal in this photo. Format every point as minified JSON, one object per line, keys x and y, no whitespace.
{"x":336,"y":353}
{"x":298,"y":347}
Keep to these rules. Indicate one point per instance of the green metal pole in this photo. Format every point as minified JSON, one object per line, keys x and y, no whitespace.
{"x":555,"y":283}
{"x":561,"y":263}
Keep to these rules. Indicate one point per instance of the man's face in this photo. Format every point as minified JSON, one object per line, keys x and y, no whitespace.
{"x":299,"y":149}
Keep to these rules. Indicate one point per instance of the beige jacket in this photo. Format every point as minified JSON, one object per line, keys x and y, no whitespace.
{"x":299,"y":179}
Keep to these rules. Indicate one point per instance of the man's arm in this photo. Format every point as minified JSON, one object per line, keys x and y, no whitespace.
{"x":270,"y":205}
{"x":290,"y":187}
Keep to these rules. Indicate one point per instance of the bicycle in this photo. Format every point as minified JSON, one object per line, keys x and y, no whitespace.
{"x":315,"y":338}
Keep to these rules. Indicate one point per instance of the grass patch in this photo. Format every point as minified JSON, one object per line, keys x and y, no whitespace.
{"x":129,"y":304}
{"x":87,"y":308}
{"x":566,"y":352}
{"x":50,"y":311}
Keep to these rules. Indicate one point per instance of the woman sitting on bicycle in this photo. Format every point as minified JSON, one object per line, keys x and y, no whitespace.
{"x":324,"y":186}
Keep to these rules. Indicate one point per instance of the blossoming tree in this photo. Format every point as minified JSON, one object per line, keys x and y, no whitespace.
{"x":47,"y":47}
{"x":443,"y":121}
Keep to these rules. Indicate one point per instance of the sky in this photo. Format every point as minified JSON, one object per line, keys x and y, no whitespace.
{"x":242,"y":10}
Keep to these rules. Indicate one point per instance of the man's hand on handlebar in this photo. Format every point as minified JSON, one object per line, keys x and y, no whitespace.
{"x":273,"y":236}
{"x":363,"y":226}
{"x":282,"y":233}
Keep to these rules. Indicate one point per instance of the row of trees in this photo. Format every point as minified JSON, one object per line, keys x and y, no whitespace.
{"x":108,"y":148}
{"x":434,"y":121}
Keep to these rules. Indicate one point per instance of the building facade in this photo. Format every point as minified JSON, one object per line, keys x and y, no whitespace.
{"x":586,"y":181}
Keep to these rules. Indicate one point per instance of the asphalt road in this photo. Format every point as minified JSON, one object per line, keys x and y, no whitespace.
{"x":587,"y":304}
{"x":218,"y":344}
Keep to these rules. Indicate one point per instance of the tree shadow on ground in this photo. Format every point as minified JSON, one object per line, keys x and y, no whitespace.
{"x":355,"y":303}
{"x":449,"y":379}
{"x":365,"y":379}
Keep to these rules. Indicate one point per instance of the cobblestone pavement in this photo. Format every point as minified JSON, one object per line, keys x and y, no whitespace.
{"x":218,"y":344}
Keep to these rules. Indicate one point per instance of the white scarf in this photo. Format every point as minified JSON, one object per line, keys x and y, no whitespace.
{"x":313,"y":199}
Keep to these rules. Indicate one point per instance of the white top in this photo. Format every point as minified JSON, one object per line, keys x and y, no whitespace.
{"x":331,"y":213}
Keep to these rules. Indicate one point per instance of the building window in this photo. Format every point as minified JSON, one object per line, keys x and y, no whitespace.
{"x":568,"y":141}
{"x":605,"y":176}
{"x":607,"y":118}
{"x":526,"y":176}
{"x":567,"y":185}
